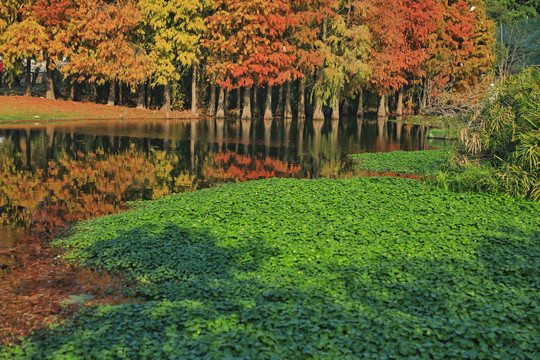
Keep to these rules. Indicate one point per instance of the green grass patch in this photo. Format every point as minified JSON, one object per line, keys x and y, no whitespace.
{"x":300,"y":269}
{"x":406,"y":162}
{"x":447,"y":134}
{"x":435,"y":121}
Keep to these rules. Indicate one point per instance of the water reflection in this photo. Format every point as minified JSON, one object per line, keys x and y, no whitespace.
{"x":54,"y":175}
{"x":90,"y":169}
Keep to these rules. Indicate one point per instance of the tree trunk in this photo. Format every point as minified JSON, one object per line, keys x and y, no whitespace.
{"x":167,"y":96}
{"x":399,"y":108}
{"x":287,"y":112}
{"x":226,"y":101}
{"x":239,"y":100}
{"x":149,"y":94}
{"x":317,"y":109}
{"x":360,"y":111}
{"x":93,"y":90}
{"x":280,"y":109}
{"x":221,"y":104}
{"x":423,"y":99}
{"x":382,"y":106}
{"x":345,"y":109}
{"x":72,"y":90}
{"x":268,"y":105}
{"x":120,"y":94}
{"x":302,"y":101}
{"x":335,"y":107}
{"x":212,"y":101}
{"x":386,"y":104}
{"x":27,"y":77}
{"x":50,"y":81}
{"x":318,"y":113}
{"x":429,"y":90}
{"x":194,"y":91}
{"x":140,"y":95}
{"x":246,"y":113}
{"x":112,"y":93}
{"x":255,"y":107}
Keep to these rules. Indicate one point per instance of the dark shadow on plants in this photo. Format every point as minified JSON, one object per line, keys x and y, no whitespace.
{"x":174,"y":262}
{"x":398,"y":307}
{"x":486,"y":305}
{"x":292,"y":269}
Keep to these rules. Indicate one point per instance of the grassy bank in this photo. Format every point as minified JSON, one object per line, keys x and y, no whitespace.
{"x":449,"y":169}
{"x":434,"y":121}
{"x":404,"y":162}
{"x":298,"y":269}
{"x":20,"y":109}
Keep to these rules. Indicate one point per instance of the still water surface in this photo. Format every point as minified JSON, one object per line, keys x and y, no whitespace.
{"x":54,"y":175}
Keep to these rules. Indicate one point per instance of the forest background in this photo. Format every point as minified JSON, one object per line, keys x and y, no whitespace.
{"x":314,"y":56}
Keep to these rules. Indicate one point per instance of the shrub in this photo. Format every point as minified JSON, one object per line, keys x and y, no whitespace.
{"x":507,"y":132}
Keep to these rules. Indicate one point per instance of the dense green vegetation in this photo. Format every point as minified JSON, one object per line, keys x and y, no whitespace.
{"x":506,"y":134}
{"x":508,"y":11}
{"x":404,"y":162}
{"x":469,"y":177}
{"x":501,"y":154}
{"x":443,"y":167}
{"x":326,"y":269}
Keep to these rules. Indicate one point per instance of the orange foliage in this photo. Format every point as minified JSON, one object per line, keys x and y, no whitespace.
{"x":100,"y":43}
{"x":462,"y":45}
{"x":248,"y":43}
{"x":400,"y":31}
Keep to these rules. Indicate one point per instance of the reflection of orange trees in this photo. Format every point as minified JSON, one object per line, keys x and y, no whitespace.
{"x":86,"y":186}
{"x":70,"y":189}
{"x":230,"y":166}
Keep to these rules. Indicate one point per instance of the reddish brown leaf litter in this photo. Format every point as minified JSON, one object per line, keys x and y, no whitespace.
{"x":33,"y":288}
{"x":22,"y":109}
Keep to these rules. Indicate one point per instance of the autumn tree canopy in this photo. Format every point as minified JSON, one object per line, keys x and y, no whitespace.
{"x":337,"y":50}
{"x":249,"y":42}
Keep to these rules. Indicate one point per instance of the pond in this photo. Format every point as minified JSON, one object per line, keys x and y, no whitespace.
{"x":54,"y":175}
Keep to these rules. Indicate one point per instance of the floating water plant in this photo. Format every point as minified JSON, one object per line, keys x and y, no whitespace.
{"x":298,"y":269}
{"x":406,"y":162}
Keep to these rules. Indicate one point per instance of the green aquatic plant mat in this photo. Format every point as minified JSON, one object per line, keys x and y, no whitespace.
{"x":406,"y":162}
{"x":312,"y":269}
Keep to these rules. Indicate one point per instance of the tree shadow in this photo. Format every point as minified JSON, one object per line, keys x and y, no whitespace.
{"x":204,"y":300}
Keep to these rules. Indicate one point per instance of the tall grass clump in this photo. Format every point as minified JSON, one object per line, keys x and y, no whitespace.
{"x":505,"y":134}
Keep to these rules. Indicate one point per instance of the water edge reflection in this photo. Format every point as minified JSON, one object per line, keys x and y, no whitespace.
{"x":54,"y":175}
